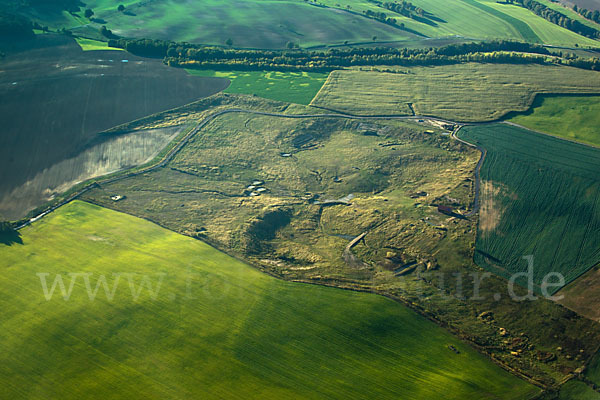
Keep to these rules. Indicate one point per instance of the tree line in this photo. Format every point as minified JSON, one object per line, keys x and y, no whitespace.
{"x":558,"y":18}
{"x":6,"y":227}
{"x":382,"y":17}
{"x":402,"y":7}
{"x":210,"y":57}
{"x":589,"y":14}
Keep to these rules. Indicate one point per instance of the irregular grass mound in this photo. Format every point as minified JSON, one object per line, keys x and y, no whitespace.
{"x":464,"y":92}
{"x":208,"y":190}
{"x":292,"y":87}
{"x":214,"y":328}
{"x":540,"y":196}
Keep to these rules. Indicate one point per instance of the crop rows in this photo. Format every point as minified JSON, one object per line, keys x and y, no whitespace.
{"x":544,"y":196}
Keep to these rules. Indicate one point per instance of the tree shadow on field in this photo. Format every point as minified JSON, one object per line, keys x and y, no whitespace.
{"x":10,"y":238}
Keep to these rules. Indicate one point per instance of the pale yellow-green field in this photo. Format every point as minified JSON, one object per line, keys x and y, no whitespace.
{"x":464,"y":92}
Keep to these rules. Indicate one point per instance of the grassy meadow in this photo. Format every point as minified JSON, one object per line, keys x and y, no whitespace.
{"x":91,"y":45}
{"x":251,"y":23}
{"x":540,"y":196}
{"x":480,"y":20}
{"x":271,"y":24}
{"x":571,"y":117}
{"x":205,"y":324}
{"x":292,"y":87}
{"x":464,"y":92}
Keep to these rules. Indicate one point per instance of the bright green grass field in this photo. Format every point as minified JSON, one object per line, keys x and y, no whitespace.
{"x":215,"y":327}
{"x":540,"y":196}
{"x":545,"y":30}
{"x":90,"y":44}
{"x":577,"y":390}
{"x":292,"y":87}
{"x":572,"y":117}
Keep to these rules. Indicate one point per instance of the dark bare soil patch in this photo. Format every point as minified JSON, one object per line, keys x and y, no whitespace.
{"x":56,"y":98}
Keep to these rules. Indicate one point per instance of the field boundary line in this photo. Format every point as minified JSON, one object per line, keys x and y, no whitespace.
{"x":320,"y":89}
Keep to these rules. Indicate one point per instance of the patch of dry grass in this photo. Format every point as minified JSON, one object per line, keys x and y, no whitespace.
{"x":464,"y":92}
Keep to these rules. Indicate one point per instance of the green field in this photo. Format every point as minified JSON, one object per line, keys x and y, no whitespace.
{"x":572,"y":117}
{"x":292,"y":87}
{"x":540,"y":196}
{"x":203,"y":192}
{"x":593,"y":370}
{"x":251,"y":23}
{"x":576,"y":390}
{"x":481,"y":20}
{"x":271,"y":23}
{"x":464,"y":92}
{"x":90,"y":45}
{"x":548,"y":32}
{"x":213,"y":327}
{"x":517,"y":24}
